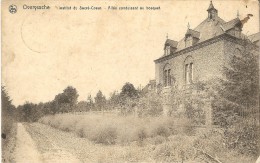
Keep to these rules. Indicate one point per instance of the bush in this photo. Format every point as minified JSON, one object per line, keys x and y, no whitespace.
{"x":161,"y":130}
{"x":150,"y":105}
{"x":141,"y":135}
{"x":105,"y":135}
{"x":179,"y":148}
{"x":243,"y":137}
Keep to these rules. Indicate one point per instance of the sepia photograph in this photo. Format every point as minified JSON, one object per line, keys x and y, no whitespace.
{"x":160,"y":81}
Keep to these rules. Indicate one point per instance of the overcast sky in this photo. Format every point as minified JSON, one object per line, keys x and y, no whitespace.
{"x":45,"y":51}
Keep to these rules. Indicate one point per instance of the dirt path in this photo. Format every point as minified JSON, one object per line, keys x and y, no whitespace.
{"x":42,"y":150}
{"x":39,"y":143}
{"x":26,"y":150}
{"x":58,"y":146}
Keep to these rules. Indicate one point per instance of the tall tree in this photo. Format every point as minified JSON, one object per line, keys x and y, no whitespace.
{"x":66,"y":101}
{"x":100,"y":101}
{"x":128,"y":90}
{"x":70,"y":96}
{"x":90,"y":103}
{"x":239,"y":90}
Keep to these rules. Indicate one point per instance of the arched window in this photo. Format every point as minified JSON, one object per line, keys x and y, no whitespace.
{"x":188,"y":70}
{"x":167,"y":75}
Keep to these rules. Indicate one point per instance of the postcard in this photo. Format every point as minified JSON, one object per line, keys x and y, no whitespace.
{"x":130,"y":81}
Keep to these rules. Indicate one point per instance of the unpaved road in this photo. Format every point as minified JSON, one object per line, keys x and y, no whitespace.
{"x":36,"y":147}
{"x":38,"y":143}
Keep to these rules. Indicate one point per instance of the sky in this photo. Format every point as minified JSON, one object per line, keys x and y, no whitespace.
{"x":44,"y":51}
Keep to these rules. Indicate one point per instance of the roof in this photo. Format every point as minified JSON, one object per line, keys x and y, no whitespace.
{"x":193,"y":33}
{"x":210,"y":28}
{"x":255,"y":38}
{"x":172,"y":43}
{"x":211,"y":6}
{"x":231,"y":24}
{"x":204,"y":31}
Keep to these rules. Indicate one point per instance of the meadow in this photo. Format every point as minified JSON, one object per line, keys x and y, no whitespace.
{"x":170,"y":139}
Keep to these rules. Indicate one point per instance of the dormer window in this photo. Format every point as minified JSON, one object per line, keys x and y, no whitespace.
{"x":170,"y":46}
{"x":237,"y":32}
{"x":191,"y":37}
{"x":167,"y":50}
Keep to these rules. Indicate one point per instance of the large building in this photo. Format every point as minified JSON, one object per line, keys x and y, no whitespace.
{"x":202,"y":53}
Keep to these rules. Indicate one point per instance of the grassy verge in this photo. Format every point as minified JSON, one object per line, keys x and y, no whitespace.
{"x":168,"y":139}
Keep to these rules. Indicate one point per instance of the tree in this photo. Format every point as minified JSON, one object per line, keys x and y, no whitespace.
{"x":90,"y":103}
{"x":8,"y":112}
{"x":29,"y":112}
{"x":82,"y":106}
{"x":100,"y":101}
{"x":150,"y":104}
{"x":70,"y":96}
{"x":128,"y":90}
{"x":66,"y":101}
{"x":236,"y":106}
{"x":114,"y":100}
{"x":8,"y":108}
{"x":239,"y":90}
{"x":128,"y":98}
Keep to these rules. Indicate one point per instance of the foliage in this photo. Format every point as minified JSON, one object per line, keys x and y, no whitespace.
{"x":236,"y":104}
{"x":8,"y":126}
{"x":114,"y":100}
{"x":128,"y":91}
{"x":128,"y":99}
{"x":82,"y":106}
{"x":243,"y":137}
{"x":150,"y":104}
{"x":238,"y":94}
{"x":90,"y":103}
{"x":100,"y":101}
{"x":64,"y":102}
{"x":189,"y":103}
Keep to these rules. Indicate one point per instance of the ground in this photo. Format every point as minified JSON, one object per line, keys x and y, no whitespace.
{"x":40,"y":143}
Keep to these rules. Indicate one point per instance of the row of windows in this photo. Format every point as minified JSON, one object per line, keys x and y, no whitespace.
{"x":167,"y":78}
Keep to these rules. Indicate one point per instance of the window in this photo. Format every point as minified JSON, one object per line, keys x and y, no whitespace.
{"x":187,"y":74}
{"x":167,"y":76}
{"x":167,"y":50}
{"x":191,"y":72}
{"x":188,"y":70}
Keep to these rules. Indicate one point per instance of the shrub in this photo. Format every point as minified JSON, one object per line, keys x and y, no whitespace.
{"x":161,"y":130}
{"x":243,"y":137}
{"x":105,"y":135}
{"x":141,"y":135}
{"x":179,"y":148}
{"x":158,"y":140}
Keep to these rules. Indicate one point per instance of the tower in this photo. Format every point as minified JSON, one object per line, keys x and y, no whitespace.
{"x":212,"y":12}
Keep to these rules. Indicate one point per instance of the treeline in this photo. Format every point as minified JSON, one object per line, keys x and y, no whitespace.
{"x":8,"y":127}
{"x":8,"y":111}
{"x":124,"y":101}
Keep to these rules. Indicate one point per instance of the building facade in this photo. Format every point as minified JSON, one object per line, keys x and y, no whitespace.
{"x":202,"y":53}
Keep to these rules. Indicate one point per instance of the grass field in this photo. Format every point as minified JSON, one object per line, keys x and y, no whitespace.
{"x":170,"y":139}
